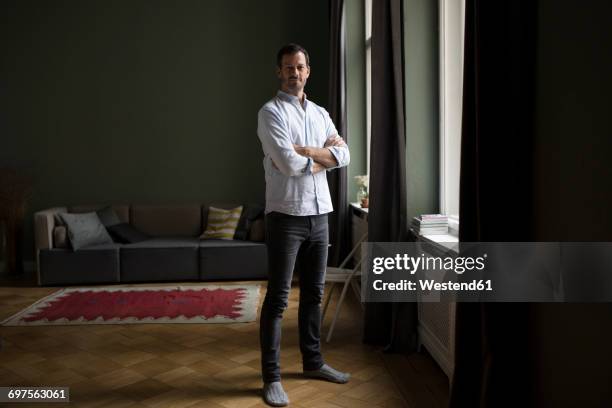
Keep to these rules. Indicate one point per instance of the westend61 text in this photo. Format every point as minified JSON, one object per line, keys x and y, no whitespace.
{"x":430,"y":284}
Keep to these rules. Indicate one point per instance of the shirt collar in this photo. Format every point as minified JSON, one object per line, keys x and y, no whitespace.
{"x":291,"y":98}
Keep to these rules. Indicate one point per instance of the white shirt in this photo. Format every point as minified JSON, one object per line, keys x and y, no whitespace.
{"x":292,"y":188}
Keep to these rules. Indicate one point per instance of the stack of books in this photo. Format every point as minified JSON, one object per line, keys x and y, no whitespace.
{"x":430,"y":224}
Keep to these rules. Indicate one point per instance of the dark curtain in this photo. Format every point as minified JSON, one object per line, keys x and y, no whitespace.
{"x":339,"y":220}
{"x":390,"y":324}
{"x":496,"y":196}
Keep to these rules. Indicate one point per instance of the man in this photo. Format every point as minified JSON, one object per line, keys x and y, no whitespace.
{"x":300,"y":142}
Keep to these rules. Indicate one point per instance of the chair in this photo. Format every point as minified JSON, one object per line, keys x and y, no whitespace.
{"x":342,"y":275}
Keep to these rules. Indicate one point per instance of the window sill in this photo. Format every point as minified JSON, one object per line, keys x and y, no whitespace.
{"x":442,"y":242}
{"x":357,"y":206}
{"x":359,"y":211}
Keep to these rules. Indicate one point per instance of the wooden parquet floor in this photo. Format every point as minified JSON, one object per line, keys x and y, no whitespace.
{"x":184,"y":365}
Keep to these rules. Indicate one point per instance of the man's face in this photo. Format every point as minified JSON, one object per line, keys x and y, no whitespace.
{"x":293,"y":72}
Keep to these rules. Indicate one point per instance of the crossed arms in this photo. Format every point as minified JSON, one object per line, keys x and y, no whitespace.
{"x":294,"y":160}
{"x":322,"y":157}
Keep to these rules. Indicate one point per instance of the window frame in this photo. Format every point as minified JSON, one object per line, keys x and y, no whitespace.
{"x":451,"y":42}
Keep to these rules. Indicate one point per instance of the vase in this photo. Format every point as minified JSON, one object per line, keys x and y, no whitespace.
{"x":362,"y":194}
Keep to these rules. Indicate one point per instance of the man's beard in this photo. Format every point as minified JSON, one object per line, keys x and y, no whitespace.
{"x":294,"y":85}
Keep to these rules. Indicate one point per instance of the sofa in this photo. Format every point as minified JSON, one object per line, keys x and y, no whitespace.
{"x":173,"y":250}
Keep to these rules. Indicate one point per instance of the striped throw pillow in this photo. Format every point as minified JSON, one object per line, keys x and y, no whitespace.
{"x":222,"y":223}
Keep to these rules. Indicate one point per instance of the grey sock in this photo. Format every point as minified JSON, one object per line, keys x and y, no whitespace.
{"x":274,"y":395}
{"x":329,"y":374}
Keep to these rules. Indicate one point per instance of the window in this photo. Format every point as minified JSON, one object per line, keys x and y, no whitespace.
{"x":452,"y":17}
{"x":451,"y":39}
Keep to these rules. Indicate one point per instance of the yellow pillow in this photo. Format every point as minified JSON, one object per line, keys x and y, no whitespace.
{"x":222,"y":223}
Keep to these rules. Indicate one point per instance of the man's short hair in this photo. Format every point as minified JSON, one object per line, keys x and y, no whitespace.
{"x":291,"y":49}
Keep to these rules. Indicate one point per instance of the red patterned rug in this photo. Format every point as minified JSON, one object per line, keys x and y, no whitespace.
{"x":159,"y":304}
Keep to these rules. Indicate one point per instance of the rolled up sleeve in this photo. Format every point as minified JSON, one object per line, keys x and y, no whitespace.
{"x":276,"y":143}
{"x":341,"y":154}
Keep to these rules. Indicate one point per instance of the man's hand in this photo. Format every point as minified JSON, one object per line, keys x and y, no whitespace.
{"x":335,"y":140}
{"x":317,"y":167}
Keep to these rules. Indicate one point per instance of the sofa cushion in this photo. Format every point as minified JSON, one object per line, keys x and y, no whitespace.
{"x":92,"y":264}
{"x":250,"y":213}
{"x":126,"y":233}
{"x":60,"y":237}
{"x":160,"y":259}
{"x":257,"y":232}
{"x":222,"y":223}
{"x":170,"y":220}
{"x":108,"y":217}
{"x":121,"y":210}
{"x":166,"y":242}
{"x":224,"y":205}
{"x":235,"y":260}
{"x":85,"y":229}
{"x":222,"y":243}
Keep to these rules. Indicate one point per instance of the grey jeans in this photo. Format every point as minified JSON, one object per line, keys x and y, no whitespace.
{"x":292,"y":240}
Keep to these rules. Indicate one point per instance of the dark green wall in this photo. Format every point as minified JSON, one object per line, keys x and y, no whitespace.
{"x":146,"y":101}
{"x":356,"y":92}
{"x":421,"y":75}
{"x":421,"y":98}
